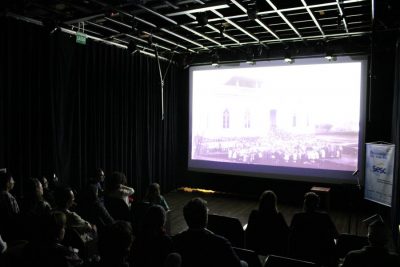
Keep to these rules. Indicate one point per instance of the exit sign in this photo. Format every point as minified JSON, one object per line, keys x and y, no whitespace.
{"x":81,"y":38}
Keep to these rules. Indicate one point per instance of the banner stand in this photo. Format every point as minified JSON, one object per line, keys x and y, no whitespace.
{"x":379,"y":165}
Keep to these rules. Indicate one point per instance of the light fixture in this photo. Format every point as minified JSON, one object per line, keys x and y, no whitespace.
{"x":202,"y":19}
{"x":329,"y":56}
{"x":288,"y":58}
{"x":50,"y":25}
{"x":134,"y":25}
{"x":150,"y":40}
{"x":215,"y":59}
{"x":260,"y":50}
{"x":252,"y":10}
{"x":340,"y":18}
{"x":221,"y":30}
{"x":250,"y":56}
{"x":328,"y":51}
{"x":132,"y":48}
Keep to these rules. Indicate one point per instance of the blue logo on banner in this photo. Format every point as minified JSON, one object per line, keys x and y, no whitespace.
{"x":379,"y":170}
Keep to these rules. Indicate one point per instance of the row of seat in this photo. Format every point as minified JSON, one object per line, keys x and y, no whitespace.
{"x":254,"y":260}
{"x":232,"y":229}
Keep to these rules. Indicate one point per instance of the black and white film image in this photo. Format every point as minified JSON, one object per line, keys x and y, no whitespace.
{"x":304,"y":116}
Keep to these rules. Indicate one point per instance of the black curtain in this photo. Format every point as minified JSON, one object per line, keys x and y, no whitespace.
{"x":24,"y":131}
{"x":68,"y":109}
{"x":395,"y":210}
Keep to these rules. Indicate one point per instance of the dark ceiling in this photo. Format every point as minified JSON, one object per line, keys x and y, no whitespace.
{"x":202,"y":28}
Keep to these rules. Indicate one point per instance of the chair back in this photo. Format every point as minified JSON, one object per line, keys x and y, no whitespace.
{"x":347,"y":242}
{"x":279,"y":261}
{"x":228,"y":227}
{"x":73,"y":239}
{"x":117,"y":208}
{"x":248,"y":256}
{"x":138,"y":210}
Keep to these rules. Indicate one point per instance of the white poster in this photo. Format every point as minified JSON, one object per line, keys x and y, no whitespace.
{"x":379,"y":172}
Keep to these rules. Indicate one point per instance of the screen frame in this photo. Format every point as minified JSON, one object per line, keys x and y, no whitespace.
{"x":285,"y":173}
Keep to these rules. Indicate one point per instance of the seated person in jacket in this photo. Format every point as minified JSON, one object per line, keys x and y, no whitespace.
{"x":313,"y":234}
{"x":116,"y":187}
{"x":47,"y":250}
{"x":154,"y":197}
{"x":9,"y":208}
{"x":200,"y":247}
{"x":115,"y":244}
{"x":65,"y":200}
{"x":152,"y":244}
{"x":375,"y":254}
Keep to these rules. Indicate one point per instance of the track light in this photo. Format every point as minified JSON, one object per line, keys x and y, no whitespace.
{"x":260,"y":50}
{"x":340,"y":18}
{"x":250,"y":56}
{"x":288,"y":58}
{"x":50,"y":25}
{"x":132,"y":49}
{"x":134,"y":25}
{"x":202,"y":19}
{"x":252,"y":12}
{"x":221,"y":30}
{"x":215,"y":60}
{"x":329,"y":56}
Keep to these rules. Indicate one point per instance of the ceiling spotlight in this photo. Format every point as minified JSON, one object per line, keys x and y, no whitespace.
{"x":260,"y":50}
{"x":150,"y":39}
{"x":221,"y":30}
{"x":340,"y":18}
{"x":50,"y":25}
{"x":215,"y":60}
{"x":288,"y":58}
{"x":134,"y":25}
{"x":252,"y":12}
{"x":250,"y":56}
{"x":252,"y":9}
{"x":329,"y":56}
{"x":202,"y":19}
{"x":132,"y":49}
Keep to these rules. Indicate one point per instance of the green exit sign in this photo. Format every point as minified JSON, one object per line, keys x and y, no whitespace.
{"x":81,"y":38}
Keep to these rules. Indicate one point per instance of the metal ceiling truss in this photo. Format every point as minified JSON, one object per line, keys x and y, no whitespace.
{"x":202,"y":26}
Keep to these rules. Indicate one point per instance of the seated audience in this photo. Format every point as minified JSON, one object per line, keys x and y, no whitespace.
{"x":116,"y":187}
{"x":313,"y":234}
{"x":173,"y":260}
{"x":154,"y":197}
{"x":97,"y":181}
{"x":9,"y":208}
{"x":375,"y":254}
{"x":49,"y":183}
{"x":33,"y":207}
{"x":114,"y":244}
{"x":3,"y":246}
{"x":152,"y":245}
{"x":267,"y":231}
{"x":200,"y":247}
{"x":64,"y":198}
{"x":92,"y":209}
{"x":47,"y":250}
